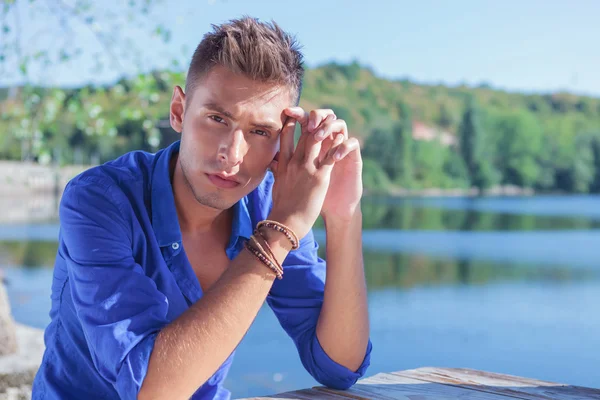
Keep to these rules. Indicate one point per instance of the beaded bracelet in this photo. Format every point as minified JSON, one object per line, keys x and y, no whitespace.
{"x":269,"y":256}
{"x":280,"y":228}
{"x":262,"y":258}
{"x":258,"y":233}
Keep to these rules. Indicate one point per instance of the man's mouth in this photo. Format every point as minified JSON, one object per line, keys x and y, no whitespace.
{"x":224,"y":182}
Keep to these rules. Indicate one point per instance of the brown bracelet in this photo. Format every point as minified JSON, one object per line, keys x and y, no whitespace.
{"x":280,"y":228}
{"x":258,"y":233}
{"x":262,"y":258}
{"x":270,"y":254}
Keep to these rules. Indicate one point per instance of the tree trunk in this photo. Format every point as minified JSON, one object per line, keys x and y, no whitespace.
{"x":8,"y":338}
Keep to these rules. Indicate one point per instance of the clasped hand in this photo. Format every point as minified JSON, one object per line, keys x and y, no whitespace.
{"x":321,"y":175}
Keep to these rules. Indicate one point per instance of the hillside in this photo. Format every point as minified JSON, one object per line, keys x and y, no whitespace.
{"x":413,"y":135}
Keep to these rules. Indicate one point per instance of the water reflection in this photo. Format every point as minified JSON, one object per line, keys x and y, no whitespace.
{"x":28,"y":253}
{"x":489,"y":284}
{"x":400,"y":270}
{"x":410,"y":214}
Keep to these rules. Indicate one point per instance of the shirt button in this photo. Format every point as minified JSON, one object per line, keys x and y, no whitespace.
{"x":175,"y":246}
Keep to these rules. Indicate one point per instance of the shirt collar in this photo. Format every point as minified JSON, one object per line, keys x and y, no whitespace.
{"x":164,"y":214}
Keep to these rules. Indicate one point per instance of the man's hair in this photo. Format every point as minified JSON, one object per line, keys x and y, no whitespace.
{"x":261,"y":51}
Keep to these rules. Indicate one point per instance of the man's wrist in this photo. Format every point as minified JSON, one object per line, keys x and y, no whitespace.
{"x":347,"y":222}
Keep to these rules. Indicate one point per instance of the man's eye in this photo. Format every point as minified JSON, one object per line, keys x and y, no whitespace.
{"x":216,"y":118}
{"x":261,"y":133}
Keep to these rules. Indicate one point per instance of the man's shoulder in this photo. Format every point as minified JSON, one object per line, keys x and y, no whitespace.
{"x":128,"y":174}
{"x":131,"y":167}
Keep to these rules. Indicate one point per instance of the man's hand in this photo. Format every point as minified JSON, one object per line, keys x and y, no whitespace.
{"x":345,"y":187}
{"x":343,"y":325}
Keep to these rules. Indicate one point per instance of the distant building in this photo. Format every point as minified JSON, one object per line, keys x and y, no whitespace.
{"x":429,"y":133}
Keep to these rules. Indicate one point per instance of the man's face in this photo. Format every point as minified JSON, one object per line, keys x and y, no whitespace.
{"x":229,"y":134}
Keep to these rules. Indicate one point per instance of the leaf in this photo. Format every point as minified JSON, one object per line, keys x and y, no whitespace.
{"x":39,"y":55}
{"x":23,"y":67}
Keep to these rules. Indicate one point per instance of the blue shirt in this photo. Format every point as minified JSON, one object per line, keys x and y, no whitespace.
{"x":121,"y":275}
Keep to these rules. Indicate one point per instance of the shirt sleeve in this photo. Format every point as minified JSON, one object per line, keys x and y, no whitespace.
{"x":120,"y":309}
{"x":296,"y":301}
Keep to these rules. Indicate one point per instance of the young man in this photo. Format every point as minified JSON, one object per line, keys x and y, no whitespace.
{"x":160,"y":271}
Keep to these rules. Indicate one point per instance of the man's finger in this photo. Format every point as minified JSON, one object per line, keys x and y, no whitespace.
{"x":286,"y":141}
{"x":331,"y":127}
{"x":316,"y":117}
{"x":300,"y":150}
{"x":329,"y":159}
{"x":274,"y":166}
{"x":299,"y":115}
{"x":345,"y":148}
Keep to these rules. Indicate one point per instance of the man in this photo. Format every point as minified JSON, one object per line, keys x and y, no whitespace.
{"x":160,"y":271}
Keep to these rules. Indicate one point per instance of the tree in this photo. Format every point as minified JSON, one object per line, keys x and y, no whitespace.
{"x":428,"y":164}
{"x":35,"y":125}
{"x":445,"y":119}
{"x":61,"y":22}
{"x":456,"y":170}
{"x":519,"y":139}
{"x":380,"y":148}
{"x":404,"y":148}
{"x":475,"y":149}
{"x":580,"y":174}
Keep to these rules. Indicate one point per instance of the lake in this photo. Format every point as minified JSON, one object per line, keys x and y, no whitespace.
{"x":508,"y":285}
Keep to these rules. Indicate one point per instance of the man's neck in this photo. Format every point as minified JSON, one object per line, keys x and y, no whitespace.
{"x":194,"y":218}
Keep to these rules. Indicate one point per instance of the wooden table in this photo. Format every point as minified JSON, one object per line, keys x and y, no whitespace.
{"x":446,"y":383}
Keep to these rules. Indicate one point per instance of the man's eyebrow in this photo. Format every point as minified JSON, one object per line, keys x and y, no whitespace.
{"x":219,"y":109}
{"x":266,"y":125}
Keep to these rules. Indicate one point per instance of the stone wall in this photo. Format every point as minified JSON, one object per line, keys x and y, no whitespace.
{"x":30,"y":192}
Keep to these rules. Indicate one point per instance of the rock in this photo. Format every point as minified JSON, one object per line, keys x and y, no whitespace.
{"x":18,"y":370}
{"x":21,"y":393}
{"x":8,"y":340}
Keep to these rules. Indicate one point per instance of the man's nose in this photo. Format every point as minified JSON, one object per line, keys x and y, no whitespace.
{"x":232,"y":149}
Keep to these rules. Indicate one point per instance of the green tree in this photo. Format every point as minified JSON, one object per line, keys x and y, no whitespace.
{"x":445,"y":119}
{"x":456,"y":170}
{"x":374,"y":177}
{"x":429,"y":160}
{"x":404,"y":148}
{"x":595,"y":185}
{"x":39,"y":125}
{"x":579,"y":175}
{"x":475,"y":149}
{"x":380,"y":148}
{"x":519,"y":139}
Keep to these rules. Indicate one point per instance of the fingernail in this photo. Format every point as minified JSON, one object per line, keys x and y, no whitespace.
{"x":337,"y":156}
{"x":320,"y":134}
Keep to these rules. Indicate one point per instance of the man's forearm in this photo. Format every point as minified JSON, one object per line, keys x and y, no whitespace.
{"x":343,"y":327}
{"x":190,"y":349}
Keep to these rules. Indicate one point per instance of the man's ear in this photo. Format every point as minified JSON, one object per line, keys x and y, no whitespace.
{"x":177,"y":109}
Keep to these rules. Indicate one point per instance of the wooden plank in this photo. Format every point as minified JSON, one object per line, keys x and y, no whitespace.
{"x":445,"y":384}
{"x":392,"y":387}
{"x":489,"y":382}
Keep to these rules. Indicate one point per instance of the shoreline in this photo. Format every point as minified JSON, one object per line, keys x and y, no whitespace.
{"x":500,"y":190}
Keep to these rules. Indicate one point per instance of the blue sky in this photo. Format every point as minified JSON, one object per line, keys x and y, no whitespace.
{"x":531,"y":45}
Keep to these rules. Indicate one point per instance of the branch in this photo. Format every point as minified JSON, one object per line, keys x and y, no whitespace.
{"x":99,"y":36}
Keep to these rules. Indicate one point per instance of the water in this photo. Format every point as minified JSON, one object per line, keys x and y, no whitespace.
{"x":508,"y":285}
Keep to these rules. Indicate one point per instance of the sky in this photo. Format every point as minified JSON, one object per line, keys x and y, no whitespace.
{"x":525,"y":46}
